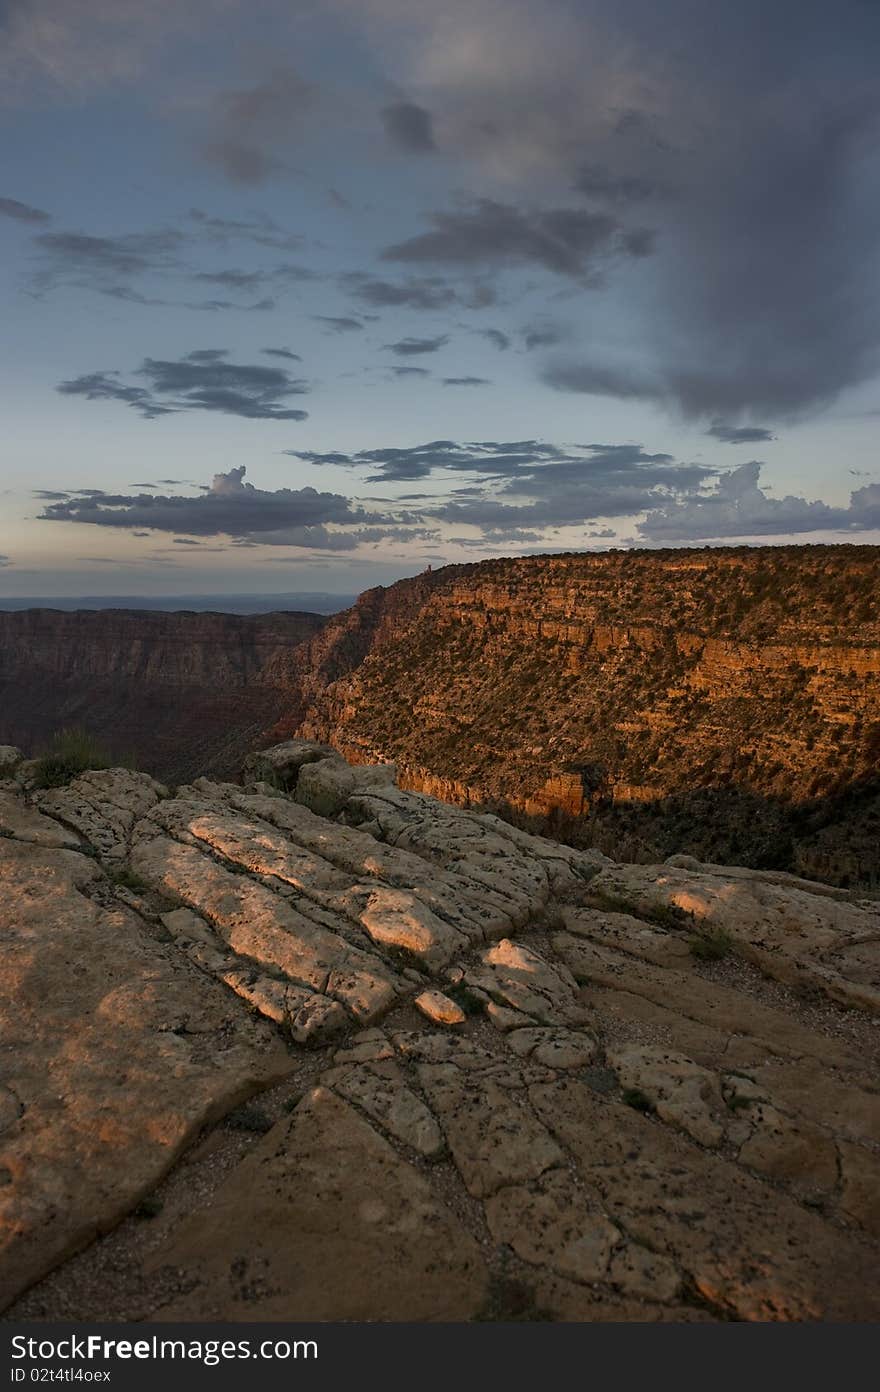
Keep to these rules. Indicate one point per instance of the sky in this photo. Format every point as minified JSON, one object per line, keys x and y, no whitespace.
{"x":312,"y":294}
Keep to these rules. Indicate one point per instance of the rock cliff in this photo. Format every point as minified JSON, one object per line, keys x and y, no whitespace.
{"x":723,"y":700}
{"x":311,"y":1046}
{"x":179,"y":693}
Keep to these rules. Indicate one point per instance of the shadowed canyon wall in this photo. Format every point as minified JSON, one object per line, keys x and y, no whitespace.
{"x":175,"y":692}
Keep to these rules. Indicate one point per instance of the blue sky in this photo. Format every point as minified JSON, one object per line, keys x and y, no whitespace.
{"x":308,"y":296}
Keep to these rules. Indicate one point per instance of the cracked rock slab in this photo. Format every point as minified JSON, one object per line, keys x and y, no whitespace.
{"x":494,"y":1136}
{"x":116,"y":1052}
{"x":325,"y":1221}
{"x":24,"y":823}
{"x":378,"y":1088}
{"x":257,"y":924}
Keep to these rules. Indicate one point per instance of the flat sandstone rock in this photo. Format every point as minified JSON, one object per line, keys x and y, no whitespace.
{"x":114,"y":1051}
{"x":324,"y":1221}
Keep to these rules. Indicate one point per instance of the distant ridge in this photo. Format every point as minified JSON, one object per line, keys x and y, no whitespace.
{"x":307,"y":602}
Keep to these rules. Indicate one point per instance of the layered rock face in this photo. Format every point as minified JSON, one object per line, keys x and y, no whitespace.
{"x":722,"y":701}
{"x":497,"y":1077}
{"x":179,"y":693}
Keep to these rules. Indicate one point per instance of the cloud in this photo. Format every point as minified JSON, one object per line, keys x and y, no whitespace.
{"x":567,"y":241}
{"x":231,"y":507}
{"x":62,"y":49}
{"x":599,"y":473}
{"x":607,"y":185}
{"x":744,"y":139}
{"x":233,"y":278}
{"x":409,"y":127}
{"x":410,"y":371}
{"x":543,"y":336}
{"x":499,"y":340}
{"x":426,"y":292}
{"x":260,"y":229}
{"x":201,"y":381}
{"x":596,"y":377}
{"x":412,"y":347}
{"x":281,"y":353}
{"x":338,"y":323}
{"x":5,"y":561}
{"x":739,"y":507}
{"x":79,"y":257}
{"x":466,"y":382}
{"x":740,"y":434}
{"x":139,"y":267}
{"x":106,"y":386}
{"x":255,"y":124}
{"x":22,"y":212}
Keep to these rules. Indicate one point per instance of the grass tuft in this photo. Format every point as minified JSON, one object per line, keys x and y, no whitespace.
{"x":70,"y":752}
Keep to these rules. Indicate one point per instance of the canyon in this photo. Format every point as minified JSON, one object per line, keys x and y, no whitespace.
{"x":176,"y":693}
{"x":719,"y":701}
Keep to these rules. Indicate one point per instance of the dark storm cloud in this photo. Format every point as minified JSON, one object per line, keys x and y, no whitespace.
{"x":338,"y":323}
{"x":410,"y":127}
{"x":740,"y":434}
{"x":768,"y":293}
{"x":743,"y":136}
{"x":413,"y":347}
{"x":466,"y":382}
{"x":568,"y":241}
{"x":231,"y":507}
{"x":253,"y":125}
{"x":201,"y":381}
{"x":739,"y":507}
{"x":22,"y":212}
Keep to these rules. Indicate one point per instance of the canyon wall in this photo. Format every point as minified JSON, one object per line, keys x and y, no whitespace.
{"x":172,"y":692}
{"x":736,"y":687}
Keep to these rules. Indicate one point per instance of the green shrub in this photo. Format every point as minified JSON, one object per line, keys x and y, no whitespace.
{"x":713,"y":946}
{"x":70,"y":752}
{"x":127,"y":879}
